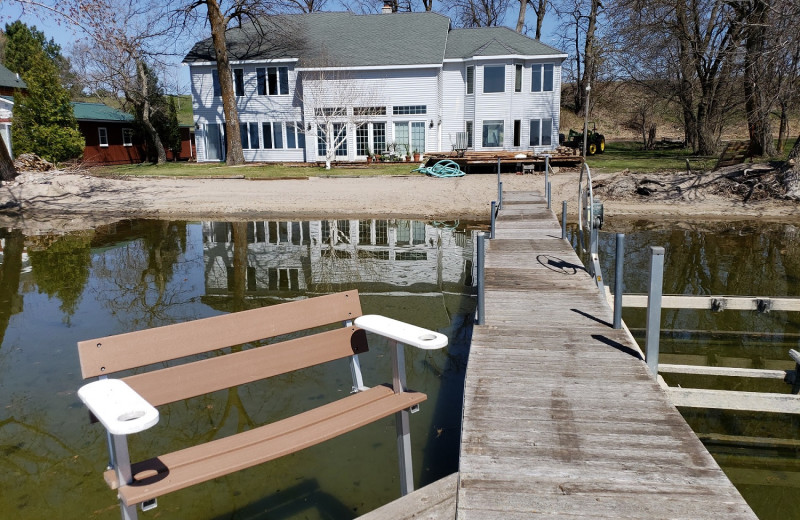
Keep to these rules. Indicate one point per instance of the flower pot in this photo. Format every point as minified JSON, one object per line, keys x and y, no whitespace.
{"x":369,"y":159}
{"x":416,"y":157}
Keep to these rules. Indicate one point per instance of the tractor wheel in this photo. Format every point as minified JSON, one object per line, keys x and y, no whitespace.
{"x":601,"y":144}
{"x":591,"y":149}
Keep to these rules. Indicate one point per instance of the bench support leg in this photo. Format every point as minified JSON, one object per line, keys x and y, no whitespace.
{"x":122,"y":466}
{"x":401,"y":420}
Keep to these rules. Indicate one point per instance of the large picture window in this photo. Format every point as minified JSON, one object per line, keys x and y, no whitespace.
{"x":493,"y":133}
{"x":494,"y":78}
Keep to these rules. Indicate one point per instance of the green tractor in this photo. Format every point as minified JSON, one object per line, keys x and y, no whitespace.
{"x":595,"y":142}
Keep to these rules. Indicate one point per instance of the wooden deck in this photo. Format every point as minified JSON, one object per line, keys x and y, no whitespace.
{"x":561,"y":416}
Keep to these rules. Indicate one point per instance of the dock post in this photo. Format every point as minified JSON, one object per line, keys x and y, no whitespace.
{"x":563,"y":220}
{"x":653,"y":327}
{"x":546,"y":170}
{"x":493,"y":216}
{"x":481,"y":260}
{"x":547,"y":188}
{"x":401,"y":421}
{"x":619,"y":255}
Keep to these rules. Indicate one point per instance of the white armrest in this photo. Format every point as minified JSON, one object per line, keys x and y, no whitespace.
{"x":402,"y":332}
{"x":115,"y":404}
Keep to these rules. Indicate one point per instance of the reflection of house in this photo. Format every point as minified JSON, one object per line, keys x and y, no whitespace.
{"x":9,"y":83}
{"x":407,"y":78}
{"x":289,"y":258}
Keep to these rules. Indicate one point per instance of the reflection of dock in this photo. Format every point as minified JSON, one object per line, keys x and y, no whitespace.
{"x":561,"y":416}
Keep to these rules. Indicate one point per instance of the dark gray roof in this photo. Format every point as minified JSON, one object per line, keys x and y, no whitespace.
{"x":98,"y":112}
{"x":338,"y":40}
{"x":350,"y":40}
{"x":10,"y":79}
{"x":494,"y":41}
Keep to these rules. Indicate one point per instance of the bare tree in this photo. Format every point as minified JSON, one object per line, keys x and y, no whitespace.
{"x":7,"y":170}
{"x":302,"y":6}
{"x":480,"y":13}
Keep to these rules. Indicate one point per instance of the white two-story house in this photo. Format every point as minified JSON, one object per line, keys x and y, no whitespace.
{"x":346,"y":85}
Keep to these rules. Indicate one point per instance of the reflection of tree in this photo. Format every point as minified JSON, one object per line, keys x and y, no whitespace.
{"x":61,"y":267}
{"x":137,"y":276}
{"x":10,"y":269}
{"x":341,"y":261}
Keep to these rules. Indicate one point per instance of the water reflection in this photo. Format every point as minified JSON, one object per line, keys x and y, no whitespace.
{"x":56,"y":290}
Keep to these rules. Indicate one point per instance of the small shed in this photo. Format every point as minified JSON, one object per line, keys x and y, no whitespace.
{"x":109,"y":134}
{"x":10,"y":82}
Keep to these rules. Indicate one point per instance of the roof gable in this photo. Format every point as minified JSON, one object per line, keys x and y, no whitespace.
{"x":99,"y":112}
{"x":494,"y":41}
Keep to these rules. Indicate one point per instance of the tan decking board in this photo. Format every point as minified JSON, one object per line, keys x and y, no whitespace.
{"x":561,"y":416}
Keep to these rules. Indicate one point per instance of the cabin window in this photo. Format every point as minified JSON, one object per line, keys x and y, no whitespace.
{"x":541,"y":132}
{"x":215,"y":83}
{"x":542,"y":77}
{"x":470,"y":79}
{"x":493,"y":133}
{"x":494,"y":78}
{"x":278,"y":81}
{"x":470,"y":133}
{"x":102,"y":135}
{"x":127,"y":137}
{"x":238,"y":81}
{"x":518,"y":77}
{"x":410,"y":110}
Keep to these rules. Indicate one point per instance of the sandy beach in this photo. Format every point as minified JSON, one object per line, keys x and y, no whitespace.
{"x":53,"y":201}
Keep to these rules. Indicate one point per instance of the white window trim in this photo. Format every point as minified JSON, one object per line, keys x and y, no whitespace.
{"x":128,"y":131}
{"x":494,"y":66}
{"x":102,"y":134}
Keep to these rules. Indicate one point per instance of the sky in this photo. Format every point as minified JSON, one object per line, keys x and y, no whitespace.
{"x":65,"y":35}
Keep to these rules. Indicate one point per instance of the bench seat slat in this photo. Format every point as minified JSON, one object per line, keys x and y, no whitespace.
{"x":217,"y":458}
{"x":218,"y":373}
{"x":103,"y":356}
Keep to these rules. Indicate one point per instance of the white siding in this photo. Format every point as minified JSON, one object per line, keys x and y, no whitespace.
{"x":456,"y":104}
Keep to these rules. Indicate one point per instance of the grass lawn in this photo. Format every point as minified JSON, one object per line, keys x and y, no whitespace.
{"x":255,"y":171}
{"x":620,"y":155}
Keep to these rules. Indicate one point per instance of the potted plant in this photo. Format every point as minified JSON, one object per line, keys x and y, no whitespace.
{"x":416,"y":155}
{"x":369,"y":155}
{"x":408,"y":151}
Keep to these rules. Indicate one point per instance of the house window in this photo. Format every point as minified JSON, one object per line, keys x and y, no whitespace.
{"x":418,"y":136}
{"x":102,"y":134}
{"x":379,"y":137}
{"x":541,"y":132}
{"x":322,"y":141}
{"x":127,"y":137}
{"x":369,"y":111}
{"x":470,"y":79}
{"x":238,"y":81}
{"x":409,"y":136}
{"x":215,"y":82}
{"x":542,"y":78}
{"x":295,"y":135}
{"x":362,"y":139}
{"x":340,"y":138}
{"x":410,"y":110}
{"x":493,"y":133}
{"x":470,"y":134}
{"x":278,"y":81}
{"x":494,"y":78}
{"x":261,"y":81}
{"x":518,"y":77}
{"x":273,"y":135}
{"x":401,"y":137}
{"x":249,"y":135}
{"x":517,"y":131}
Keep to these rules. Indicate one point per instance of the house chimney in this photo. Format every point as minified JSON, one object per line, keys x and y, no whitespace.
{"x":388,"y":7}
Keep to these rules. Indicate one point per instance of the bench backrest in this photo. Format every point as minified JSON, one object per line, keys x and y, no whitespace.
{"x":111,"y":354}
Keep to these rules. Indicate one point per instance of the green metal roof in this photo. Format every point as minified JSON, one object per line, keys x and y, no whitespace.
{"x":494,"y":41}
{"x":98,"y":112}
{"x":10,"y":79}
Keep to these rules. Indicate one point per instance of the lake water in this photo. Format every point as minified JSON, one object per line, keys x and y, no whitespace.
{"x":759,"y":452}
{"x":57,"y":290}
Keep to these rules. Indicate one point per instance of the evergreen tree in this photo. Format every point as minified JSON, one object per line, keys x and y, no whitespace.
{"x":172,"y":137}
{"x":44,"y":122}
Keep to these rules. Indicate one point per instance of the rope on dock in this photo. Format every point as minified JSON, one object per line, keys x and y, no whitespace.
{"x":444,"y":168}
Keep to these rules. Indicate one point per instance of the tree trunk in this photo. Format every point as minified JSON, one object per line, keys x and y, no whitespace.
{"x":218,"y":23}
{"x":145,"y":93}
{"x":7,"y":170}
{"x":756,"y":104}
{"x":783,"y":129}
{"x":589,"y":57}
{"x":523,"y":7}
{"x":540,"y":11}
{"x":791,"y":177}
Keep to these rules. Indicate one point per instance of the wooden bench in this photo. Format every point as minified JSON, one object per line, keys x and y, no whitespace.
{"x":127,"y":405}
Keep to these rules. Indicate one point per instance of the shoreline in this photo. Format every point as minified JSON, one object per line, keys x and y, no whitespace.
{"x":42,"y":202}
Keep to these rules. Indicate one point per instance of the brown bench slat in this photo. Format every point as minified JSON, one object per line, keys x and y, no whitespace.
{"x":218,"y":373}
{"x":111,"y":354}
{"x":217,"y":458}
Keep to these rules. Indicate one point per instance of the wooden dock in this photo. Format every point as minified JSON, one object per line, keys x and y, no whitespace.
{"x":561,"y":416}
